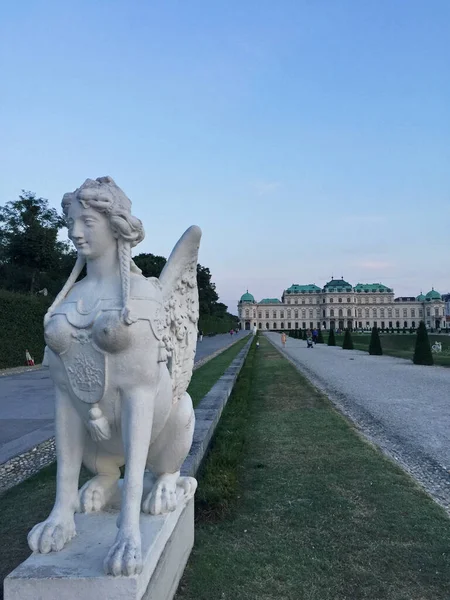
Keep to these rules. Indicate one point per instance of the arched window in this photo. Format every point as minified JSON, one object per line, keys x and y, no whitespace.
{"x":349,"y":312}
{"x":359,"y":312}
{"x":282,"y":325}
{"x":340,"y":300}
{"x":260,"y":325}
{"x":274,"y":326}
{"x":341,"y":312}
{"x":267,"y":326}
{"x":331,"y":312}
{"x":348,"y":299}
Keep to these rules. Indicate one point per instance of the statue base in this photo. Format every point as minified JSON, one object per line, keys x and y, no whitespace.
{"x":77,"y":571}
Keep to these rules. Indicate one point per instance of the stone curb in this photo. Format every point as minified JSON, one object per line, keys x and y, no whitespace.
{"x":203,"y":361}
{"x":209,"y":411}
{"x":23,"y":466}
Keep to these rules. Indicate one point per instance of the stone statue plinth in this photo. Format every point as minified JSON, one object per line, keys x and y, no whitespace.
{"x":77,"y":570}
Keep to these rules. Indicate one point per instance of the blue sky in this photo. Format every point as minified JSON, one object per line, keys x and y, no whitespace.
{"x":306,"y":138}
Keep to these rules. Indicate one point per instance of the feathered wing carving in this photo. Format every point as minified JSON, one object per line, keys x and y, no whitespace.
{"x":180,"y":296}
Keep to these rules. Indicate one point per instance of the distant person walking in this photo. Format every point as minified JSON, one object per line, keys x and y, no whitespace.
{"x":283,"y":339}
{"x":200,"y":335}
{"x":231,"y":332}
{"x":315,"y":335}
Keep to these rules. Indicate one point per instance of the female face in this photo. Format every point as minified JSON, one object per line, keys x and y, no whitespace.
{"x":89,"y":230}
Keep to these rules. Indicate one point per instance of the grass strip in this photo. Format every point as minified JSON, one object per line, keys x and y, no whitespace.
{"x":400,"y":345}
{"x":317,"y":513}
{"x":31,"y":501}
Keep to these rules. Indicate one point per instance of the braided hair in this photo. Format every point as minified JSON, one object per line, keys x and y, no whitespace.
{"x":106,"y":197}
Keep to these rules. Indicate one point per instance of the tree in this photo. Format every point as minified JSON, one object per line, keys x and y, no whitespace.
{"x":150,"y":264}
{"x":348,"y":342}
{"x":29,"y":245}
{"x":422,"y":351}
{"x":320,"y":337}
{"x":331,"y":338}
{"x":375,"y":344}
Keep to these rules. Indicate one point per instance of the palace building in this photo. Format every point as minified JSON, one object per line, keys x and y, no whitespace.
{"x":339,"y":305}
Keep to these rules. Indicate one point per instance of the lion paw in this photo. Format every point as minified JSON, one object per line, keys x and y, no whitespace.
{"x":96,"y":493}
{"x":51,"y":535}
{"x":124,"y":557}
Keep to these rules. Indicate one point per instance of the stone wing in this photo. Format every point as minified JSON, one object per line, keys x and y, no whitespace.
{"x":180,"y":296}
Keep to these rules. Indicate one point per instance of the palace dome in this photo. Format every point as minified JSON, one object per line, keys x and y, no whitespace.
{"x":247,"y":297}
{"x":433,"y":295}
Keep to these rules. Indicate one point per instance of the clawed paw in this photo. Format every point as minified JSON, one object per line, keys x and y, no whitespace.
{"x":124,"y":557}
{"x":163,"y":497}
{"x":51,"y":535}
{"x":96,"y":493}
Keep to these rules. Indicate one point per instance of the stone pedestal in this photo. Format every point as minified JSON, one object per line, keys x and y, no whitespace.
{"x":77,"y":571}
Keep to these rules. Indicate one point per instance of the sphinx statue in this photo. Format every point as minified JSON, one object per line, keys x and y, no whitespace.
{"x":120,"y":349}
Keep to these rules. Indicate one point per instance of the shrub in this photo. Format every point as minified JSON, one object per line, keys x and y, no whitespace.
{"x":320,"y":337}
{"x":348,"y":342}
{"x":331,"y":338}
{"x":422,"y":351}
{"x":375,"y":344}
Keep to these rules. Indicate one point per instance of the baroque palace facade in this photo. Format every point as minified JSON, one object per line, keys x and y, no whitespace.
{"x":339,"y":305}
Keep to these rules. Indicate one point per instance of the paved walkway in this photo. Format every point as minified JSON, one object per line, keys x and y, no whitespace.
{"x":403,"y":408}
{"x":26,"y":402}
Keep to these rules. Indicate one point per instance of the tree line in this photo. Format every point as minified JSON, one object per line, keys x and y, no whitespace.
{"x":33,"y":260}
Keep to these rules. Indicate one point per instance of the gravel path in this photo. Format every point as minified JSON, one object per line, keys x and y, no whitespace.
{"x":402,"y":408}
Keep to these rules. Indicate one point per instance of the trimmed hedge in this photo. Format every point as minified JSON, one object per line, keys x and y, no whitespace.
{"x":21,"y":328}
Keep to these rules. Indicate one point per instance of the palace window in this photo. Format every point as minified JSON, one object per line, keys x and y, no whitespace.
{"x":341,"y":314}
{"x":267,"y":314}
{"x":359,"y":312}
{"x":254,"y":313}
{"x":260,"y":325}
{"x":289,"y":325}
{"x":304,"y":313}
{"x":282,"y":315}
{"x":367,"y":313}
{"x":374,"y":312}
{"x":296,"y":314}
{"x":274,"y":326}
{"x":267,"y":326}
{"x":289,"y":313}
{"x":303,"y":325}
{"x":310,"y":313}
{"x":296,"y":325}
{"x":303,"y":302}
{"x":405,"y":312}
{"x":420,"y":312}
{"x":247,"y":312}
{"x":331,"y":312}
{"x":428,"y":312}
{"x":389,"y":312}
{"x":296,"y":301}
{"x":348,"y":299}
{"x":340,"y":300}
{"x":259,"y":315}
{"x":349,"y":312}
{"x":324,"y":313}
{"x":397,"y":312}
{"x":436,"y":312}
{"x":282,"y":325}
{"x":413,"y":312}
{"x":331,"y":299}
{"x":382,"y":312}
{"x":274,"y":314}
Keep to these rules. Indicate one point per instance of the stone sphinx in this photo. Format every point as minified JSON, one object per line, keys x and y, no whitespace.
{"x":120,"y":349}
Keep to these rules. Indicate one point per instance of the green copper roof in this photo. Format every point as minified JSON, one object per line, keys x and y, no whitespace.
{"x":270,"y":301}
{"x":421,"y":298}
{"x":433,"y":295}
{"x":247,"y":297}
{"x":296,"y":288}
{"x":371,"y":287}
{"x":337,"y":285}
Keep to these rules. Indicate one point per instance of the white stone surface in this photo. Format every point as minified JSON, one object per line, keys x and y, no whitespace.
{"x":121,"y":350}
{"x":77,"y":571}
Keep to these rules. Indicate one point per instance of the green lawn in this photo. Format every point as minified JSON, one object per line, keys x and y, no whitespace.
{"x":398,"y":344}
{"x":35,"y":497}
{"x":310,"y":510}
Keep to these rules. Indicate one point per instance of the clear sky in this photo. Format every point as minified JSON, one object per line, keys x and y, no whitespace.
{"x":306,"y":137}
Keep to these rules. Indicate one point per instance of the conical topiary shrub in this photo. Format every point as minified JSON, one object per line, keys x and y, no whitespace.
{"x":331,"y":338}
{"x":304,"y":334}
{"x":375,"y":344}
{"x":320,"y":337}
{"x":348,"y":342}
{"x":422,"y":351}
